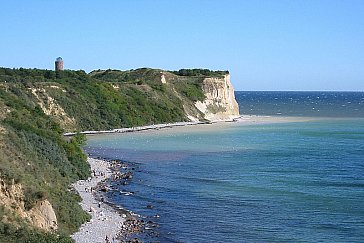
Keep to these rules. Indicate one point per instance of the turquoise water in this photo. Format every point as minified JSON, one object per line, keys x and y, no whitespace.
{"x":301,"y":181}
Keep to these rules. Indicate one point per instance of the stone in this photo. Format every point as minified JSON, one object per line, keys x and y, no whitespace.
{"x":220,"y":103}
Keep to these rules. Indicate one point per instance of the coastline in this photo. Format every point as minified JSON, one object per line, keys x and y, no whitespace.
{"x":245,"y":119}
{"x":259,"y":119}
{"x":105,"y":220}
{"x":109,"y":222}
{"x":140,"y":128}
{"x":117,"y":223}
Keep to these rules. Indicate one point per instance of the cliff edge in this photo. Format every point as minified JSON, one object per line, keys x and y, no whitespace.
{"x":220,"y":103}
{"x":37,"y":164}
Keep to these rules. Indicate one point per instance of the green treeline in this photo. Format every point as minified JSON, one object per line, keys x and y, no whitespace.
{"x":200,"y":72}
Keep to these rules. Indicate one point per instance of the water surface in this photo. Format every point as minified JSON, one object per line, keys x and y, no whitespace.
{"x":297,"y":181}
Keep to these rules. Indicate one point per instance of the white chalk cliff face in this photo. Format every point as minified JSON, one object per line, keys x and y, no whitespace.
{"x":220,"y":103}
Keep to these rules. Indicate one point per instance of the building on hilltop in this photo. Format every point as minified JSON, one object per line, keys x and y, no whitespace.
{"x":59,"y":64}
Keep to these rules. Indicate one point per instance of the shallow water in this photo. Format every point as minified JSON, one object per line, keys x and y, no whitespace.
{"x":297,"y":181}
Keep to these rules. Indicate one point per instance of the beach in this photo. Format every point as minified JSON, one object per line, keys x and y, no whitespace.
{"x":138,"y":129}
{"x":267,"y":182}
{"x":108,"y":221}
{"x":201,"y":125}
{"x":176,"y":184}
{"x":105,"y":221}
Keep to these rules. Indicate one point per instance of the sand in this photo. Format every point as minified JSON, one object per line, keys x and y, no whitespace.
{"x":106,"y":221}
{"x":253,"y":119}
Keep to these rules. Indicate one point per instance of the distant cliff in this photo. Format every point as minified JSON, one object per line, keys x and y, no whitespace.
{"x":220,"y":103}
{"x":106,"y":99}
{"x":37,"y":164}
{"x":212,"y":97}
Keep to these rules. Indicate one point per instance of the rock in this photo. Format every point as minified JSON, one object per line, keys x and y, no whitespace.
{"x":220,"y":103}
{"x":43,"y":216}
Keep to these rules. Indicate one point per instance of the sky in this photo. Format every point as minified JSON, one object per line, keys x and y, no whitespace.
{"x":266,"y":45}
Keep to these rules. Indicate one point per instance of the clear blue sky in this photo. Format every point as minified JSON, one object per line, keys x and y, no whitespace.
{"x":266,"y":45}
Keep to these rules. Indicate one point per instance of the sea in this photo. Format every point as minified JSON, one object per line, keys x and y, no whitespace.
{"x":295,"y":181}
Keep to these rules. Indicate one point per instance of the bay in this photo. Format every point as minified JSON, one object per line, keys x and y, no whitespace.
{"x":286,"y":181}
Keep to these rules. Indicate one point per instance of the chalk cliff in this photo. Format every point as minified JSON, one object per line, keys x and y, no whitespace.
{"x":37,"y":163}
{"x":220,"y":103}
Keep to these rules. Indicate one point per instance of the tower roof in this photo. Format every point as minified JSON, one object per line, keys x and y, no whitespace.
{"x":59,"y":59}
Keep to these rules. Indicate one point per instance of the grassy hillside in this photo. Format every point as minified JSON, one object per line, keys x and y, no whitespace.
{"x":34,"y":154}
{"x":38,"y":106}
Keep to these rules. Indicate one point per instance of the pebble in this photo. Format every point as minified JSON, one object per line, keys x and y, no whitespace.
{"x":105,"y":220}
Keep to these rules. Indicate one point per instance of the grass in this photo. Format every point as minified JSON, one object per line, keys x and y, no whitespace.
{"x":34,"y":152}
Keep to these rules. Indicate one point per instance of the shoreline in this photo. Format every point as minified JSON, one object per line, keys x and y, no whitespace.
{"x":118,"y":223}
{"x":140,"y":128}
{"x":246,"y":119}
{"x":108,"y":221}
{"x":105,"y":220}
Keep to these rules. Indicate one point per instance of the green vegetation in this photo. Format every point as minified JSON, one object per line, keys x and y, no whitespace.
{"x":38,"y":106}
{"x":34,"y":154}
{"x":137,"y":76}
{"x":200,"y":72}
{"x":190,"y":88}
{"x":18,"y":231}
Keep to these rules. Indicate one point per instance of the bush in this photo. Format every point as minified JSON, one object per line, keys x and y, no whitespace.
{"x":34,"y":151}
{"x":200,"y":72}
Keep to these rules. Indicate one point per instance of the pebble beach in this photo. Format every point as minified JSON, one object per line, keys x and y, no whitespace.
{"x":106,"y":222}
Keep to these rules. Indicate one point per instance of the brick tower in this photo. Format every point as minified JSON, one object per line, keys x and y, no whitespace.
{"x":59,"y":64}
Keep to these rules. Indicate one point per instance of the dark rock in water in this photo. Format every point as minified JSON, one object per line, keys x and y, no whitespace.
{"x":103,"y":189}
{"x":134,"y":229}
{"x":135,"y":240}
{"x":127,"y":175}
{"x":151,"y":224}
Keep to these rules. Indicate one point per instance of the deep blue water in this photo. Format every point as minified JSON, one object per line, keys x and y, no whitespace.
{"x":300,"y":181}
{"x":313,"y":104}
